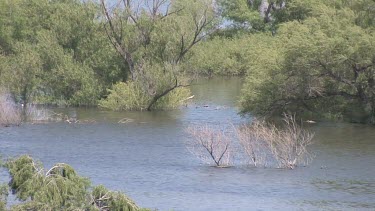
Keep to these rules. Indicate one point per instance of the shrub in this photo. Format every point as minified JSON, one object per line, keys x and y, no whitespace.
{"x":131,"y":96}
{"x":252,"y":141}
{"x":103,"y":199}
{"x":3,"y":196}
{"x":60,"y":188}
{"x":22,"y":170}
{"x":210,"y":145}
{"x":287,"y":145}
{"x":125,"y":96}
{"x":10,"y":114}
{"x":264,"y":143}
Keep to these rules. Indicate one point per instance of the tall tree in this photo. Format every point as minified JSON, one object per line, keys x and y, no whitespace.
{"x":153,"y":37}
{"x":55,"y":49}
{"x":324,"y":64}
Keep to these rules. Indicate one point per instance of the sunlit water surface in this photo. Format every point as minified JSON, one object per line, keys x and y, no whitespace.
{"x":147,"y":158}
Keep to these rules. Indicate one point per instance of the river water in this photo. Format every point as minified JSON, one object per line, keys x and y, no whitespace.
{"x":147,"y":159}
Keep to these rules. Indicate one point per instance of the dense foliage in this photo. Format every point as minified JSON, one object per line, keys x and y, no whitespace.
{"x":315,"y":58}
{"x":64,"y":52}
{"x":55,"y":52}
{"x":305,"y":56}
{"x":130,"y":96}
{"x":322,"y":64}
{"x":59,"y":188}
{"x":153,"y":42}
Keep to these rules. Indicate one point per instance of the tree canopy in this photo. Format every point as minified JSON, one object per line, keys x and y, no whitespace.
{"x":310,"y":57}
{"x":325,"y":63}
{"x":306,"y":56}
{"x":58,"y":188}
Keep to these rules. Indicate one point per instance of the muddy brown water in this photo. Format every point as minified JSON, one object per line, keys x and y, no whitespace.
{"x":147,"y":159}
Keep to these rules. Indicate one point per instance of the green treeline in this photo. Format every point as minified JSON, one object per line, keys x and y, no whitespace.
{"x":56,"y":52}
{"x":73,"y":52}
{"x":312,"y":57}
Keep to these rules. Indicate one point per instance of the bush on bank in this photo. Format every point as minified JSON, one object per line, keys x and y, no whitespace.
{"x":59,"y":188}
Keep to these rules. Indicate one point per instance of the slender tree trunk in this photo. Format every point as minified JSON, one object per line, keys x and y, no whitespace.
{"x":158,"y":96}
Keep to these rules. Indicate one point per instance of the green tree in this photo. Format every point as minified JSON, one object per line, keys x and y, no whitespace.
{"x":154,"y":41}
{"x":59,"y":188}
{"x":56,"y":52}
{"x":21,"y":73}
{"x":324,"y":64}
{"x":267,"y":15}
{"x":219,"y":56}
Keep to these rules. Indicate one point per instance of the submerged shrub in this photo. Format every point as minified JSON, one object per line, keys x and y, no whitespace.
{"x":10,"y":114}
{"x":265,"y":143}
{"x":252,"y":141}
{"x":132,"y":96}
{"x":125,"y":96}
{"x":210,"y":145}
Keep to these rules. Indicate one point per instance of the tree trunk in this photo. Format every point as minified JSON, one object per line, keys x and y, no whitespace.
{"x":158,"y":96}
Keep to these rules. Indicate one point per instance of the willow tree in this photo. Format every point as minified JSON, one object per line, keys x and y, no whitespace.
{"x":55,"y":52}
{"x":324,"y":64}
{"x":58,"y":188}
{"x":153,"y":37}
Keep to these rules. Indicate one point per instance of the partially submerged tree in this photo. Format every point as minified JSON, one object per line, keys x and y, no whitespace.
{"x":254,"y":144}
{"x":264,"y":143}
{"x":324,"y":64}
{"x":289,"y":144}
{"x":59,"y":56}
{"x":285,"y":145}
{"x":210,"y":145}
{"x":153,"y":37}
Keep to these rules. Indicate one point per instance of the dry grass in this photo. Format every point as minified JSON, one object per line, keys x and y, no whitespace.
{"x":210,"y":145}
{"x":10,"y":114}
